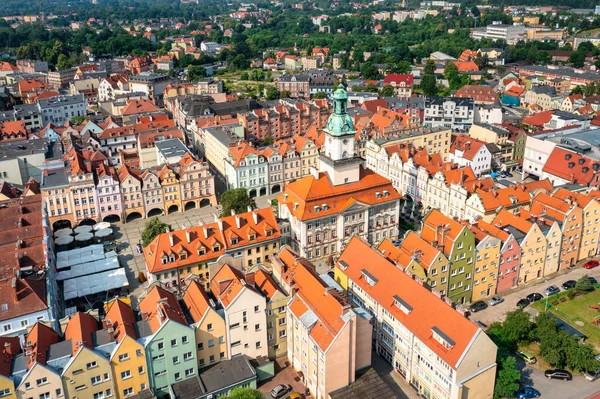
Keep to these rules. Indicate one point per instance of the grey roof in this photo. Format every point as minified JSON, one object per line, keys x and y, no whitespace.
{"x":443,"y":335}
{"x":149,"y":77}
{"x":196,"y":105}
{"x":19,"y":363}
{"x":26,"y":109}
{"x":227,"y":373}
{"x":561,"y":71}
{"x":101,"y":337}
{"x":233,"y":107}
{"x":60,"y":349}
{"x":61,"y":101}
{"x":367,"y":386}
{"x":289,"y":77}
{"x":569,"y":115}
{"x":145,"y":394}
{"x":493,"y":148}
{"x":21,"y":148}
{"x":459,"y":101}
{"x":54,"y":175}
{"x":143,"y":328}
{"x":544,"y":90}
{"x":191,"y":388}
{"x":171,"y":147}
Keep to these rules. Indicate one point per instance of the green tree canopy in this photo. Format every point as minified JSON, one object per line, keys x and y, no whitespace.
{"x":387,"y":91}
{"x":429,"y":67}
{"x":320,"y":95}
{"x":507,"y":378}
{"x":245,"y":393}
{"x":429,"y":85}
{"x":236,"y":199}
{"x":272,"y":93}
{"x":195,"y":72}
{"x":153,"y":228}
{"x":584,"y":284}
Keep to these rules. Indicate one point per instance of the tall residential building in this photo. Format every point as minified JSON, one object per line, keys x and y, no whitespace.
{"x":449,"y":112}
{"x":341,"y":199}
{"x":328,"y":341}
{"x":438,"y":351}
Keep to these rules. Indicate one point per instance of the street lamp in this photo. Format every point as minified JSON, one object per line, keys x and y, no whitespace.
{"x":547,"y":296}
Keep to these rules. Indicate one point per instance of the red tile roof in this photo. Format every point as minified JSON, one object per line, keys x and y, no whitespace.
{"x":466,"y":66}
{"x":122,"y":320}
{"x":428,"y":313}
{"x":22,"y":296}
{"x":197,"y":301}
{"x":477,"y":93}
{"x":159,"y":306}
{"x":39,"y":339}
{"x":571,"y":166}
{"x":309,"y":192}
{"x":468,"y":145}
{"x":441,"y":229}
{"x":539,"y":119}
{"x":134,"y":107}
{"x":80,"y":329}
{"x":398,"y":78}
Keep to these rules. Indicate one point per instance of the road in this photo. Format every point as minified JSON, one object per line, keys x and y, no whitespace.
{"x":498,"y":312}
{"x":129,"y":234}
{"x":579,"y":388}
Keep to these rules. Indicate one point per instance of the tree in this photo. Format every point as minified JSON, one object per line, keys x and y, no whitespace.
{"x":450,"y":70}
{"x":589,"y":90}
{"x":272,"y":93}
{"x":153,"y":228}
{"x":320,"y":95}
{"x":371,"y":88}
{"x":388,"y":91}
{"x":195,"y":72}
{"x":369,"y":71}
{"x":236,"y":199}
{"x":584,"y":284}
{"x":507,"y":378}
{"x":577,"y":58}
{"x":78,"y":119}
{"x":429,"y":67}
{"x":245,"y":393}
{"x":268,"y":140}
{"x":517,"y":326}
{"x":577,"y":90}
{"x":63,"y":62}
{"x":429,"y":85}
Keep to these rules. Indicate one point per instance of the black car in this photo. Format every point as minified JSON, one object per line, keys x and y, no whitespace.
{"x":477,"y":306}
{"x":534,"y":297}
{"x":558,"y":375}
{"x":523,"y":303}
{"x":569,"y":284}
{"x":592,"y":280}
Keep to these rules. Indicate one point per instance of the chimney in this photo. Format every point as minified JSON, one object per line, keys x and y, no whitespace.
{"x":205,"y":230}
{"x":171,"y":239}
{"x":238,"y":221}
{"x":220,"y":223}
{"x":187,"y":236}
{"x":255,"y":217}
{"x":232,"y":212}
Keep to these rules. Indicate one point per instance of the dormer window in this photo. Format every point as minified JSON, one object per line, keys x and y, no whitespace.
{"x":164,"y":259}
{"x":216,"y":248}
{"x":296,"y":205}
{"x":386,"y":193}
{"x":343,"y":265}
{"x":171,"y":258}
{"x":252,"y":236}
{"x":442,"y":338}
{"x":269,"y":233}
{"x":369,"y":278}
{"x":201,"y":251}
{"x":402,"y":305}
{"x":317,"y":208}
{"x":325,"y":207}
{"x":234,"y":241}
{"x":378,"y":194}
{"x":183,"y":255}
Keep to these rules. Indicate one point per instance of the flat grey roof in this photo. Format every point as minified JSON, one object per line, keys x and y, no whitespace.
{"x":171,"y":147}
{"x":22,"y":148}
{"x":367,"y":386}
{"x":60,"y":349}
{"x":61,"y":101}
{"x":227,"y":373}
{"x":54,"y":174}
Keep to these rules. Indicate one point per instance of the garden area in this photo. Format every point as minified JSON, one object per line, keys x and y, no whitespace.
{"x":579,"y":307}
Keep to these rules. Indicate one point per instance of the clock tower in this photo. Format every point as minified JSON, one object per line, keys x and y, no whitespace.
{"x":337,"y":157}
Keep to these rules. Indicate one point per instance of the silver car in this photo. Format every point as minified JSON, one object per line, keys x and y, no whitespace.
{"x":495,"y":300}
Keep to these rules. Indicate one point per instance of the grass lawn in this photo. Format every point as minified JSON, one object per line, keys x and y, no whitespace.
{"x":576,"y":310}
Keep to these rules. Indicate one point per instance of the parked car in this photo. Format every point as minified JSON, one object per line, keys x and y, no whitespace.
{"x":534,"y":297}
{"x":551,"y":290}
{"x":294,"y":395}
{"x":592,"y":375}
{"x":569,"y":284}
{"x":477,"y":306}
{"x":527,"y":357}
{"x":280,"y":390}
{"x":495,"y":300}
{"x":591,"y":264}
{"x":592,"y":280}
{"x":558,"y":375}
{"x":528,"y":392}
{"x":523,"y":303}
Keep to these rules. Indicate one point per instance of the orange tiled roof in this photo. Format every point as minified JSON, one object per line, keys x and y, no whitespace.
{"x":539,"y":119}
{"x":571,"y":166}
{"x":122,"y":320}
{"x":210,"y":241}
{"x":41,"y":337}
{"x":468,"y":145}
{"x":11,"y":347}
{"x":159,"y":298}
{"x":518,"y":194}
{"x":477,"y":93}
{"x":441,"y":229}
{"x":555,"y":207}
{"x":515,"y":91}
{"x":134,"y":107}
{"x":466,"y":66}
{"x":428,"y":312}
{"x":197,"y":301}
{"x":228,"y":283}
{"x":505,"y":218}
{"x":313,"y":296}
{"x":80,"y":329}
{"x":265,"y":283}
{"x":309,"y":192}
